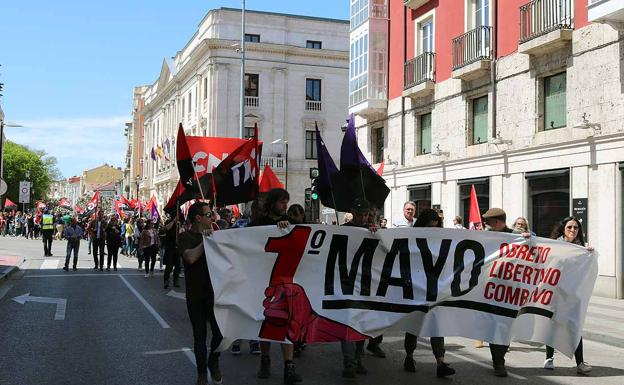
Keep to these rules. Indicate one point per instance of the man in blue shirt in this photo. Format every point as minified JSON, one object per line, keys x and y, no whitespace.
{"x":73,"y":233}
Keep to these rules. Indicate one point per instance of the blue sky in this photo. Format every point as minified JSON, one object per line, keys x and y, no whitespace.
{"x":69,"y":66}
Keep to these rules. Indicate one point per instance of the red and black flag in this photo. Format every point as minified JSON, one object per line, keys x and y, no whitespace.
{"x":65,"y":203}
{"x":92,"y":205}
{"x":236,"y":177}
{"x":179,"y":197}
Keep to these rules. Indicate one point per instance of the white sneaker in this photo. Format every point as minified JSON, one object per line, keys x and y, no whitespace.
{"x":146,"y":275}
{"x":549,"y":364}
{"x":583,"y":368}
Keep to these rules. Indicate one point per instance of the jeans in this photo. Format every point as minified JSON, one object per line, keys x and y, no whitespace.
{"x":437,"y":345}
{"x":201,"y":312}
{"x":98,"y":248}
{"x":149,"y":255}
{"x":75,"y":246}
{"x":578,"y":354}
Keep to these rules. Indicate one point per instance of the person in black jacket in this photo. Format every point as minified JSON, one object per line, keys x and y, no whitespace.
{"x":113,"y":242}
{"x":172,"y":259}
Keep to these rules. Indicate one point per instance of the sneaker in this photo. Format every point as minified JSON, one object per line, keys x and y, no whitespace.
{"x":409,"y":365}
{"x":146,"y":275}
{"x":108,"y":269}
{"x":549,"y":364}
{"x":254,"y":348}
{"x":583,"y":368}
{"x":444,"y":370}
{"x":215,"y":371}
{"x":500,"y":370}
{"x":375,"y":350}
{"x":235,"y":349}
{"x":349,"y":372}
{"x":65,"y":268}
{"x":290,"y":376}
{"x":265,"y":367}
{"x":75,"y":268}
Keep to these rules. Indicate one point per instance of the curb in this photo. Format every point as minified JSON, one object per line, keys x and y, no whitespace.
{"x":8,"y":272}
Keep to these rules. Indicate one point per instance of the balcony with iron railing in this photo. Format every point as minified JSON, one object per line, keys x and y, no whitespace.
{"x":252,"y":101}
{"x":545,"y":26}
{"x":313,"y":105}
{"x":277,"y":163}
{"x":606,"y":11}
{"x":419,"y":75}
{"x":472,"y":53}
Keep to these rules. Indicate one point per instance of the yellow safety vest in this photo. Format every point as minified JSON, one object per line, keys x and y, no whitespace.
{"x":47,"y":222}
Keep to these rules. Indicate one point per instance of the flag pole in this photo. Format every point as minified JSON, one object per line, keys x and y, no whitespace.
{"x":242,"y":81}
{"x":201,"y":191}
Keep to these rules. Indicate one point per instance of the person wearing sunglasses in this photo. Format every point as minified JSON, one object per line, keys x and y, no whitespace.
{"x":570,"y":230}
{"x":199,"y":293}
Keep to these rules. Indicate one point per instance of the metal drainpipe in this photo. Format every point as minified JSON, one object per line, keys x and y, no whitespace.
{"x":403,"y":97}
{"x":493,"y":69}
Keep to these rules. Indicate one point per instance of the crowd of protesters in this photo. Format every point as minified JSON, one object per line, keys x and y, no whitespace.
{"x":178,"y":244}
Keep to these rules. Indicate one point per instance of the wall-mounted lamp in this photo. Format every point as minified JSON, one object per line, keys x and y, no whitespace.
{"x":499,"y":140}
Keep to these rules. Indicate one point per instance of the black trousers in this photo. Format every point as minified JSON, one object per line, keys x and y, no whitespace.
{"x":201,"y":311}
{"x":149,"y":255}
{"x":172,"y":263}
{"x":578,"y":354}
{"x":98,"y":249}
{"x":47,"y":242}
{"x":498,"y":353}
{"x":437,"y":345}
{"x":112,"y":249}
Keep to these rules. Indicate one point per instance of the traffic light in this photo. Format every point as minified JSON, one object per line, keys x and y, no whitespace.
{"x":314,"y":190}
{"x":308,"y":196}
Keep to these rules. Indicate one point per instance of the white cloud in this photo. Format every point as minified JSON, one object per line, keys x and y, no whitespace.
{"x":77,"y":143}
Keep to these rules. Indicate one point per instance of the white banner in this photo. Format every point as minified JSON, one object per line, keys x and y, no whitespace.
{"x":321,"y":283}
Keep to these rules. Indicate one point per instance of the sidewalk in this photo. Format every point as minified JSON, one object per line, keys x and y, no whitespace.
{"x":8,"y":265}
{"x":605,"y":321}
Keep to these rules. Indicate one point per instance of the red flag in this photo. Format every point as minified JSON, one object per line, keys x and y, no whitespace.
{"x":65,"y":203}
{"x":118,"y":208}
{"x":380,"y":169}
{"x":8,"y":204}
{"x":268,"y":180}
{"x":235,"y":211}
{"x":474,"y":219}
{"x":78,"y":209}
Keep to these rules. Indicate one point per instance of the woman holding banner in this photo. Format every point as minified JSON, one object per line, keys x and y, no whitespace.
{"x":427,"y":218}
{"x":569,"y":230}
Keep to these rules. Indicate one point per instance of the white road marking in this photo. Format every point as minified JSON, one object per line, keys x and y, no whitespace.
{"x":149,"y":307}
{"x":61,"y":304}
{"x":175,"y":294}
{"x":70,"y":274}
{"x":187,"y":352}
{"x":4,"y":290}
{"x":49,"y":264}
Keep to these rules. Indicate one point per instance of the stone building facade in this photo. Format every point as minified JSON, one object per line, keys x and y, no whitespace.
{"x":296,"y":76}
{"x":528,"y":109}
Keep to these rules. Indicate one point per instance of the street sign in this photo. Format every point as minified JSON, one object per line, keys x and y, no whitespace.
{"x":579,"y":210}
{"x":327,"y":211}
{"x":3,"y":187}
{"x":24,"y":192}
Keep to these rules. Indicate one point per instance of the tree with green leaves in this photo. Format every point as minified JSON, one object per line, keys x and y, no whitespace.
{"x":18,"y":160}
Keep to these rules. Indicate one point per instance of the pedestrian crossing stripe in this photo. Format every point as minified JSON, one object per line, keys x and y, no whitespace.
{"x":49,"y":264}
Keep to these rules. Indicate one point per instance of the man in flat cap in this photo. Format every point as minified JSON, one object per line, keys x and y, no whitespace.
{"x":496,"y":220}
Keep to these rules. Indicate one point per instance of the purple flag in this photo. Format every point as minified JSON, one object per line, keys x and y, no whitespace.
{"x":154,"y":213}
{"x":153,"y":154}
{"x":327,"y":169}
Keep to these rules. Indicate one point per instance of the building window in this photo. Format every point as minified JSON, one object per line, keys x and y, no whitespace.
{"x":205,"y":88}
{"x":425,"y":39}
{"x":183,"y":100}
{"x":479,"y":120}
{"x":358,"y":70}
{"x":421,"y":195}
{"x":313,"y":89}
{"x":314,"y":44}
{"x":378,"y":144}
{"x":310,"y":145}
{"x":555,"y":101}
{"x":482,"y":188}
{"x":480,"y":13}
{"x":424,"y":134}
{"x":248,"y":133}
{"x":252,"y":38}
{"x":190,"y":101}
{"x":549,"y":199}
{"x":251,"y":84}
{"x":359,"y":12}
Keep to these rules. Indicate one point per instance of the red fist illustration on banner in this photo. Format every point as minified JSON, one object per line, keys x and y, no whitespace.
{"x":288,"y":313}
